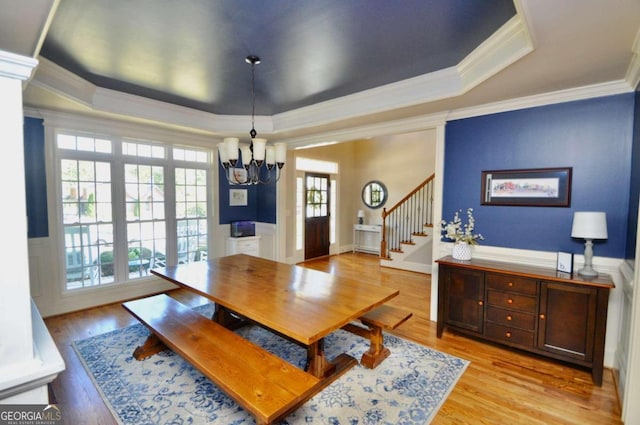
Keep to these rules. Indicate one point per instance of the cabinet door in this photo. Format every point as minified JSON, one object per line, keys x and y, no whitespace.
{"x":566,"y":324}
{"x":464,"y":299}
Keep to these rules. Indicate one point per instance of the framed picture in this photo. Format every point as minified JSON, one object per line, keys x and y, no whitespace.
{"x":238,"y":197}
{"x":565,"y":262}
{"x":539,"y":187}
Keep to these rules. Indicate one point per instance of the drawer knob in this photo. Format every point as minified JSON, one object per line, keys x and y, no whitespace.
{"x":510,"y":284}
{"x":510,"y":301}
{"x":509,"y":317}
{"x":542,"y":316}
{"x":480,"y":302}
{"x":507,"y":334}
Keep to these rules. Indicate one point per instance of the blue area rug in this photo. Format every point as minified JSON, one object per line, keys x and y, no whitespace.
{"x":407,"y":388}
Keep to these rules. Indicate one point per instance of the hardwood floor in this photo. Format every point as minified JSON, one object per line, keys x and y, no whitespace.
{"x":500,"y":386}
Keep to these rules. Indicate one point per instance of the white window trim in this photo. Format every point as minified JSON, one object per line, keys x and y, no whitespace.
{"x":59,"y":123}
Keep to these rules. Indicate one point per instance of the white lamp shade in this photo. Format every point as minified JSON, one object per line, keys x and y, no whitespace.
{"x":259,"y":146}
{"x":246,"y":154}
{"x":281,"y":152}
{"x":222,"y":153}
{"x":232,"y":147}
{"x":271,"y":155}
{"x":360,"y":213}
{"x":589,"y":225}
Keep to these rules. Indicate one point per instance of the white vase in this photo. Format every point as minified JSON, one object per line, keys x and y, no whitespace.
{"x":461,"y":251}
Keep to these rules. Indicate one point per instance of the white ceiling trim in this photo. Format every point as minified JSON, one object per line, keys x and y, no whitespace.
{"x":633,"y":72}
{"x":45,"y":27}
{"x":15,"y":66}
{"x":425,"y":122}
{"x":561,"y":96}
{"x":510,"y":43}
{"x":116,"y":127}
{"x":373,"y":130}
{"x":58,"y":80}
{"x":504,"y":47}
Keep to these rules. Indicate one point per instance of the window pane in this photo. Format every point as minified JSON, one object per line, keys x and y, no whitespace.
{"x":191,"y":211}
{"x":193,"y":155}
{"x":86,"y":245}
{"x":66,"y":142}
{"x":145,"y":215}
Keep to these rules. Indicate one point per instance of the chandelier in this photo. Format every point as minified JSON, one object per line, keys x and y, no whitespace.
{"x":254,"y":154}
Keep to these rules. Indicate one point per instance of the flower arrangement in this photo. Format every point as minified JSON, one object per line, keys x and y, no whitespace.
{"x":458,"y":232}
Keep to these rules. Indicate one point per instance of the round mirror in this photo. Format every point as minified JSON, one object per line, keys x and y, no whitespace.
{"x":374,"y":194}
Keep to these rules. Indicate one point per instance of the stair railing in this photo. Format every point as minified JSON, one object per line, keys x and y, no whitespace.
{"x":407,"y":218}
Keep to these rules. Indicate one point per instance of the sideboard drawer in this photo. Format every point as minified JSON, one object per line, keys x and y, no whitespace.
{"x":504,"y":282}
{"x":516,"y":319}
{"x":510,"y":335}
{"x":512,"y":301}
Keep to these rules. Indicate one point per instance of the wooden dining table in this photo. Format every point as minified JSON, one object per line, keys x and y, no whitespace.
{"x":301,"y":304}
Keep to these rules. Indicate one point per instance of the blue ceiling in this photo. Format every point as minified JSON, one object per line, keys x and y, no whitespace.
{"x":192,"y":52}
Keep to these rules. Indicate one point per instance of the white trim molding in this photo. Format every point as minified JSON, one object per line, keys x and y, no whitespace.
{"x":633,"y":72}
{"x":16,"y":66}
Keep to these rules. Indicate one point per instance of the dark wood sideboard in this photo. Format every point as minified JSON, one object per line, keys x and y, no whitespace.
{"x":536,"y":309}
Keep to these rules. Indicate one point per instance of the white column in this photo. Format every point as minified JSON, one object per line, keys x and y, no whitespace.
{"x":16,"y":336}
{"x":438,"y":193}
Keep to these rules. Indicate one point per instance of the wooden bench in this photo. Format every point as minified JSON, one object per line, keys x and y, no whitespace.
{"x":264,"y":384}
{"x":382,"y":317}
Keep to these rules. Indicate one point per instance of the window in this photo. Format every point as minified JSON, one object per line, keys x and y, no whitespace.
{"x":191,"y":214}
{"x":316,"y":208}
{"x":87,"y":220}
{"x":117,"y":207}
{"x":145,"y":215}
{"x":317,"y":196}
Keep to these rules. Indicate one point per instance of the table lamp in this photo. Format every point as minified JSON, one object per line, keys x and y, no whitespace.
{"x":360,"y":216}
{"x":589,"y":225}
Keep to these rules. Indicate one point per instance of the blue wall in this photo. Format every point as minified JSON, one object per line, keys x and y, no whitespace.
{"x":632,"y":225}
{"x":593,"y":136}
{"x":261,"y":202}
{"x":35,"y":178}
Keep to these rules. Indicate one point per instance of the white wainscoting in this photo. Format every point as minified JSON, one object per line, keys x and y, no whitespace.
{"x":622,"y":352}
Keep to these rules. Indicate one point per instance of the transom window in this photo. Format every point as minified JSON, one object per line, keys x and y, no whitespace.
{"x":128,"y":206}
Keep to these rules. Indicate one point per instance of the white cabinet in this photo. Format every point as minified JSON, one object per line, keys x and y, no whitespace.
{"x":366,"y":238}
{"x":246,"y":245}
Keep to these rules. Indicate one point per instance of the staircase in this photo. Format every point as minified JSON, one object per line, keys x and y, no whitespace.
{"x":407,"y":231}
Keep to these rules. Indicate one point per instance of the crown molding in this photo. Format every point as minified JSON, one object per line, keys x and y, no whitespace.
{"x":561,"y":96}
{"x":633,"y":72}
{"x":372,"y":130}
{"x":58,"y":80}
{"x":422,"y":89}
{"x":507,"y":45}
{"x":115,"y":126}
{"x":15,"y":66}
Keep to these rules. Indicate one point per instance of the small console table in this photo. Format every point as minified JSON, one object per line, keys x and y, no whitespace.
{"x":366,"y":238}
{"x":539,"y":310}
{"x":245,"y":245}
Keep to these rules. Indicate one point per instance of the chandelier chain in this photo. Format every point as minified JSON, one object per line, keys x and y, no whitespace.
{"x":253,"y":133}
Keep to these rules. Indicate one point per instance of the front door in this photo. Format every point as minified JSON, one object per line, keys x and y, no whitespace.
{"x":316,"y":229}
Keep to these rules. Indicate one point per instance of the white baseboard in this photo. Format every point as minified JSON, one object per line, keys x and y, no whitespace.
{"x":406,"y":265}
